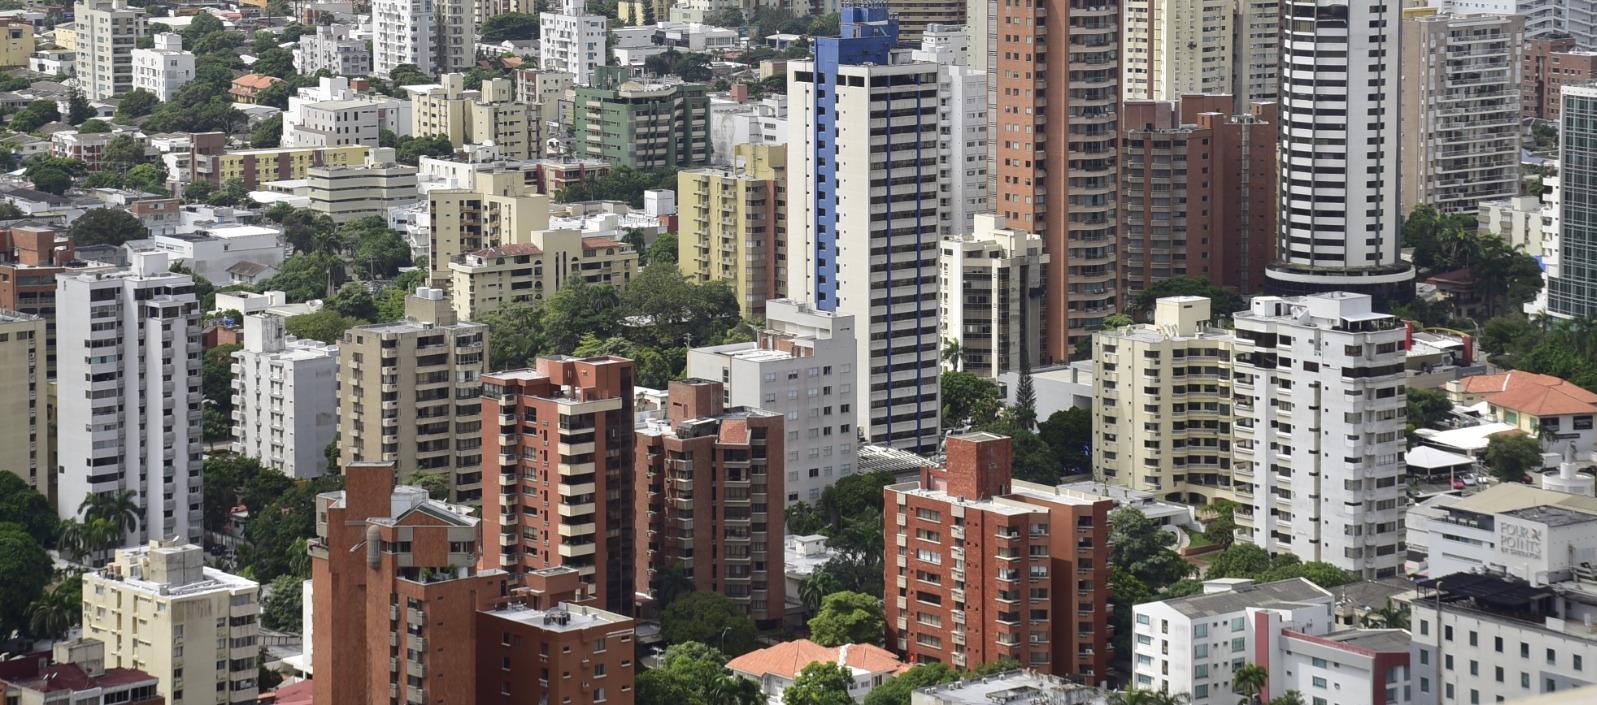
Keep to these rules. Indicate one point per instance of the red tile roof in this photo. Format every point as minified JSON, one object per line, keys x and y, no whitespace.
{"x":508,"y":251}
{"x":786,"y":659}
{"x":297,"y":694}
{"x":258,"y":81}
{"x":595,"y":243}
{"x":1542,"y":395}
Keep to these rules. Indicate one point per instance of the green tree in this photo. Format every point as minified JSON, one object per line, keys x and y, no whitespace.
{"x":1068,"y":434}
{"x":149,"y":178}
{"x":410,"y":150}
{"x":379,"y":251}
{"x":27,"y":569}
{"x":896,"y":691}
{"x":1427,"y":408}
{"x":1125,"y":592}
{"x":517,"y":337}
{"x":276,"y":62}
{"x":136,"y":104}
{"x":1243,"y":560}
{"x":52,"y":181}
{"x":224,"y":478}
{"x":1223,"y":302}
{"x":439,"y":485}
{"x":34,"y":115}
{"x":690,"y":673}
{"x":22,"y":505}
{"x":579,"y":308}
{"x":804,"y":520}
{"x":78,"y":109}
{"x":121,"y":508}
{"x":1509,"y":333}
{"x":1391,"y":616}
{"x":510,"y":26}
{"x":94,"y":126}
{"x":1512,"y":456}
{"x":710,"y":618}
{"x":1143,"y":549}
{"x":676,"y":311}
{"x":848,"y":618}
{"x":216,"y":377}
{"x":820,"y":683}
{"x":324,"y":325}
{"x":283,"y":610}
{"x":276,"y":534}
{"x":308,"y":276}
{"x":57,"y":610}
{"x":106,"y":226}
{"x":664,"y":249}
{"x":354,"y":302}
{"x":968,"y":398}
{"x":267,"y":133}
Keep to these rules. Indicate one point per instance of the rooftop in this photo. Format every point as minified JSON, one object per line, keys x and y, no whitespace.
{"x":1370,"y":640}
{"x":1292,"y":592}
{"x":1469,"y":438}
{"x":1514,"y":496}
{"x":1552,"y":515}
{"x":564,"y":618}
{"x":1534,"y":394}
{"x":786,"y":659}
{"x":1010,"y":688}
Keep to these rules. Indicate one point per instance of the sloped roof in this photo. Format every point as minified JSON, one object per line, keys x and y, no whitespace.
{"x":257,"y":81}
{"x":1542,"y":395}
{"x":786,"y":659}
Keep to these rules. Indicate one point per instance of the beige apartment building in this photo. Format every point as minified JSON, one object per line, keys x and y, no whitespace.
{"x":490,"y":114}
{"x":346,"y":193}
{"x":158,"y":609}
{"x":732,"y":225}
{"x":990,"y":282}
{"x":492,"y":278}
{"x":106,"y":32}
{"x":500,"y":209}
{"x":24,"y":401}
{"x":409,"y":394}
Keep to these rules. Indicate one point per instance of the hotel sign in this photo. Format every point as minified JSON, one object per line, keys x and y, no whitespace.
{"x":1519,"y":540}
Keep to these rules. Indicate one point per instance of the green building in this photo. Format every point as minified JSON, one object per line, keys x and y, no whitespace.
{"x":642,"y":123}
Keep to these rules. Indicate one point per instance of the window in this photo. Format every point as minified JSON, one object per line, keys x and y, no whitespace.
{"x":1142,"y":619}
{"x":1318,"y":682}
{"x":1237,"y":624}
{"x":1236,"y":645}
{"x":1200,"y":630}
{"x":1144,"y":639}
{"x":1200,"y":670}
{"x":1576,"y":659}
{"x":1447,"y":633}
{"x":1474,"y":639}
{"x":1524,"y":680}
{"x":1524,"y":650}
{"x":1499,"y":674}
{"x":1200,"y":651}
{"x":1447,"y":662}
{"x":1474,"y":667}
{"x":1425,"y":657}
{"x":1497,"y":643}
{"x":1552,"y":658}
{"x":1200,"y":691}
{"x":1319,"y":662}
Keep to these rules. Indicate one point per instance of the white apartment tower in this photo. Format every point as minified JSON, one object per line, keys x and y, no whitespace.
{"x":864,"y":214}
{"x":990,"y":284}
{"x":1339,"y":225}
{"x":572,"y":40}
{"x":436,"y":36}
{"x":1256,"y":53}
{"x":1318,"y":415}
{"x":163,"y":68}
{"x":131,"y":420}
{"x":1542,"y":17}
{"x":1461,"y":110}
{"x":107,"y":31}
{"x":333,"y":48}
{"x":964,"y":115}
{"x":285,"y":398}
{"x":1177,"y":47}
{"x":803,"y":368}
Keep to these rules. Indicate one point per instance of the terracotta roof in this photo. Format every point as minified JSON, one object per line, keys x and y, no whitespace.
{"x":70,"y":677}
{"x":1485,"y":384}
{"x":786,"y":659}
{"x":248,"y":269}
{"x":297,"y":694}
{"x":508,"y":251}
{"x":595,"y":243}
{"x":257,"y":81}
{"x":1543,"y":395}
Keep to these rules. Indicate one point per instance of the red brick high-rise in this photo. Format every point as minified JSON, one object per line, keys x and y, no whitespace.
{"x":30,"y":257}
{"x":546,"y":647}
{"x":1054,"y":80}
{"x":980,"y":567}
{"x":1197,"y":190}
{"x":713,"y":478}
{"x":395,"y":591}
{"x":1550,"y":62}
{"x":560,"y":437}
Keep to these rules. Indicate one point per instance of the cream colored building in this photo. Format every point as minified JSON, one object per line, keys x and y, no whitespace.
{"x":16,"y":42}
{"x":499,"y":209}
{"x":346,"y":193}
{"x":1138,"y":433}
{"x":24,"y":396}
{"x":732,"y":225}
{"x":409,"y":394}
{"x":492,"y":278}
{"x":65,"y":36}
{"x":158,"y":609}
{"x":490,"y":114}
{"x":106,"y":33}
{"x":990,"y":285}
{"x":1177,"y":47}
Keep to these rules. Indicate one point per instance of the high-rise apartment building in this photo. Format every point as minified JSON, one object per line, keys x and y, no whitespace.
{"x":163,"y":68}
{"x":408,"y":394}
{"x":544,"y":631}
{"x":562,"y":437}
{"x":1296,"y":414}
{"x":918,"y":17}
{"x":1197,"y":193}
{"x":1340,"y":224}
{"x":24,"y":401}
{"x":159,"y":609}
{"x":1175,"y":48}
{"x":872,"y":253}
{"x":572,"y":41}
{"x":991,"y":286}
{"x":396,"y":593}
{"x":498,"y":209}
{"x":962,"y":173}
{"x":710,"y":478}
{"x":488,"y":114}
{"x":1550,"y":62}
{"x":1572,"y":292}
{"x":731,"y":226}
{"x":493,"y":278}
{"x":1256,"y":47}
{"x":1462,"y":87}
{"x":656,"y":123}
{"x":802,"y":367}
{"x":333,"y":48}
{"x":435,"y":36}
{"x":130,"y":405}
{"x":285,"y":398}
{"x":1054,"y":84}
{"x":1544,"y":19}
{"x":107,"y":31}
{"x":989,"y":568}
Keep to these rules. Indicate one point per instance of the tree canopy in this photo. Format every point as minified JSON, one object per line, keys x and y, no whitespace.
{"x":27,"y":569}
{"x":1512,"y":456}
{"x":106,"y":226}
{"x":709,"y":618}
{"x":848,"y":618}
{"x":509,"y":26}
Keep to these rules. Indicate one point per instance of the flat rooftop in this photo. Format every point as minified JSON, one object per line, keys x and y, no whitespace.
{"x":564,"y":618}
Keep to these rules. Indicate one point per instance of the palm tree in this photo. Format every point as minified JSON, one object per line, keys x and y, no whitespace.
{"x":953,"y":354}
{"x":1291,"y":697}
{"x":735,"y":690}
{"x":72,"y":539}
{"x":1249,"y":681}
{"x":1168,"y":698}
{"x":814,"y":589}
{"x":1135,"y":696}
{"x":1392,"y":616}
{"x":52,"y":614}
{"x":120,"y":507}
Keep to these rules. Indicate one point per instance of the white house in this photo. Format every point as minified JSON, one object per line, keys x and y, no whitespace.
{"x":774,"y":668}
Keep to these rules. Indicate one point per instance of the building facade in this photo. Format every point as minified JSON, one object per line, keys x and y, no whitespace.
{"x":962,"y":177}
{"x":1034,"y":560}
{"x":1198,"y":197}
{"x":1462,"y":85}
{"x":1572,"y":293}
{"x":214,"y":165}
{"x":494,"y":278}
{"x":644,"y":124}
{"x":733,"y":227}
{"x":106,"y":32}
{"x":542,"y":632}
{"x":577,"y":507}
{"x":991,"y":287}
{"x":25,"y":429}
{"x":498,"y":209}
{"x":346,"y":193}
{"x":164,"y":68}
{"x":334,"y":49}
{"x":435,"y":36}
{"x":1550,"y":62}
{"x":133,"y":393}
{"x":408,"y":394}
{"x":157,"y":608}
{"x":1176,"y":48}
{"x":802,"y":367}
{"x":712,"y":476}
{"x":488,"y":114}
{"x":840,"y":252}
{"x":572,"y":41}
{"x":285,"y":398}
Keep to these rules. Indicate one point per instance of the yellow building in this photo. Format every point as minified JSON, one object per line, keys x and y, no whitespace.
{"x":491,"y":114}
{"x":489,"y":279}
{"x":16,"y":43}
{"x":731,"y":224}
{"x":24,"y":400}
{"x":66,"y":36}
{"x":501,"y":209}
{"x":255,"y":166}
{"x":157,"y":608}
